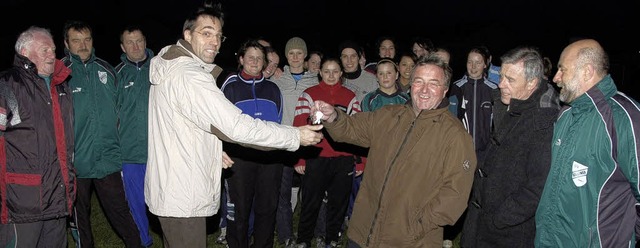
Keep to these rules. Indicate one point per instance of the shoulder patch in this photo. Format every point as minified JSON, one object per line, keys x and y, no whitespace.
{"x":466,"y":165}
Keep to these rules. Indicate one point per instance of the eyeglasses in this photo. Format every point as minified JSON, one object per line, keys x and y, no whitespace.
{"x":209,"y":35}
{"x":430,"y":85}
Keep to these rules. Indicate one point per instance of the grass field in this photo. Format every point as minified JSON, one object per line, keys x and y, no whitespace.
{"x":105,"y":237}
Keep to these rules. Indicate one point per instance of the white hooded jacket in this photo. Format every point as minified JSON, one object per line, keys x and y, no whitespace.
{"x":188,"y":117}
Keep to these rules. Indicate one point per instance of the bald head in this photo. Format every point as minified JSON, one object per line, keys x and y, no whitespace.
{"x":582,"y":65}
{"x":589,"y":51}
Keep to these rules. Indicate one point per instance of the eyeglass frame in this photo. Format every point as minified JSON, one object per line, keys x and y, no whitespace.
{"x":210,"y":35}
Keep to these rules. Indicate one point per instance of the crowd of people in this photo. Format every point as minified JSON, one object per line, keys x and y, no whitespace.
{"x":374,"y":151}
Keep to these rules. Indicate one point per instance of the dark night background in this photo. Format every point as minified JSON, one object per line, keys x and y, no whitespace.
{"x":455,"y":24}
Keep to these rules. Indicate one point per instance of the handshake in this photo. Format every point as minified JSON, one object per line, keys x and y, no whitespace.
{"x":322,"y":111}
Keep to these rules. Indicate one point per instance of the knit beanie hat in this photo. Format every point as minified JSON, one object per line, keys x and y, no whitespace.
{"x":295,"y":43}
{"x":349,"y":44}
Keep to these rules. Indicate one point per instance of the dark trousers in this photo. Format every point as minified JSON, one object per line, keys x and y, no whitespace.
{"x":184,"y":232}
{"x":332,"y":175}
{"x":47,"y":233}
{"x":223,"y":210}
{"x":225,"y":205}
{"x":256,"y":184}
{"x":284,"y":215}
{"x":110,"y":191}
{"x":354,"y":193}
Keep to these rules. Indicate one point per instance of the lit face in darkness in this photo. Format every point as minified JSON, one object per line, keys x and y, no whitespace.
{"x":134,"y":45}
{"x":42,"y":52}
{"x":427,"y":87}
{"x":205,"y":38}
{"x":253,"y":61}
{"x":475,"y":65}
{"x":79,"y":42}
{"x":331,"y":72}
{"x":513,"y":84}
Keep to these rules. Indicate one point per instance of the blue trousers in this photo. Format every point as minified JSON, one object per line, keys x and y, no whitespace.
{"x":133,"y":178}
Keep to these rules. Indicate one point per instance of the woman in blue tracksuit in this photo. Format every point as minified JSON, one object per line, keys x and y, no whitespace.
{"x":254,"y":181}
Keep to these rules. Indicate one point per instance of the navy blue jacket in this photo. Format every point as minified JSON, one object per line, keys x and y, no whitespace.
{"x":259,"y":98}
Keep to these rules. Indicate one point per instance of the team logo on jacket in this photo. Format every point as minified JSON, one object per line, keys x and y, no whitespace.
{"x":102,"y":76}
{"x":579,"y":174}
{"x":466,"y":165}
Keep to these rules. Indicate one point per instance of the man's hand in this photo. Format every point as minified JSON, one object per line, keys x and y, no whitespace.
{"x":300,"y":169}
{"x":328,"y":112}
{"x":309,"y":136}
{"x":226,"y":161}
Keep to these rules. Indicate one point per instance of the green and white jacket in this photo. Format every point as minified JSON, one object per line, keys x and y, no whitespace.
{"x":590,"y":196}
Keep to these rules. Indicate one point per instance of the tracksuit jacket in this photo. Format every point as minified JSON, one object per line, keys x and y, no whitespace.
{"x":471,"y":100}
{"x":338,"y":96}
{"x":97,"y":144}
{"x":377,"y":99}
{"x":592,"y":191}
{"x":133,"y":102}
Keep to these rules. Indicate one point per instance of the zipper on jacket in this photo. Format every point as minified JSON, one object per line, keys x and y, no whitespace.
{"x":42,"y":86}
{"x":386,"y":178}
{"x":473,"y":123}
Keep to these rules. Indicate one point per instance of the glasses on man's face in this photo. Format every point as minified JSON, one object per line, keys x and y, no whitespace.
{"x":209,"y":35}
{"x":430,"y":85}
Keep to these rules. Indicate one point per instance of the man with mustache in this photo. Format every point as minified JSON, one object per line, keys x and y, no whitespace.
{"x":97,"y":157}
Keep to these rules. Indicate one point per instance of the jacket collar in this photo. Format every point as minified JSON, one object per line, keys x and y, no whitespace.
{"x":603,"y":90}
{"x":60,"y":71}
{"x":76,"y":59}
{"x":183,"y":48}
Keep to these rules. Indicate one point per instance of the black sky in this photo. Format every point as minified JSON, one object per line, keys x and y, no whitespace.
{"x":456,"y":24}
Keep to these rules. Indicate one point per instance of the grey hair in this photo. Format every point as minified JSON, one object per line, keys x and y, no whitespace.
{"x":433,"y":59}
{"x":531,"y":58}
{"x":26,"y":37}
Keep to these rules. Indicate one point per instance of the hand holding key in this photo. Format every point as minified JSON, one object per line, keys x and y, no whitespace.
{"x":323,"y":111}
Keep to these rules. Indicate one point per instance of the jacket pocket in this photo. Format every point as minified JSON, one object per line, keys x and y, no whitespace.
{"x":415,"y":224}
{"x":420,"y":225}
{"x":24,"y":193}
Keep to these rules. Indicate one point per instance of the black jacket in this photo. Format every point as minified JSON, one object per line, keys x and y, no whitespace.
{"x":509,"y":180}
{"x":472,"y":100}
{"x":37,"y":177}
